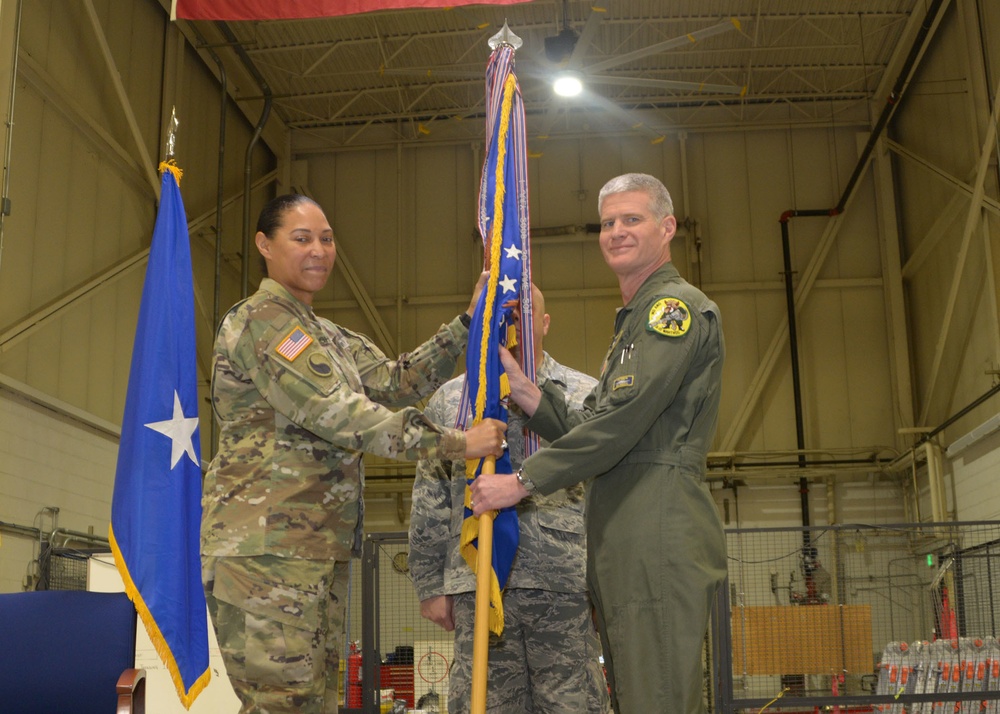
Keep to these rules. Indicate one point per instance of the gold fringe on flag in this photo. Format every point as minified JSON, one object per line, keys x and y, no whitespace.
{"x":470,"y":527}
{"x":153,"y":630}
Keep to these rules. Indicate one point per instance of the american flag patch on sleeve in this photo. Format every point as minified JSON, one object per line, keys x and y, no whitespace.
{"x":292,"y":346}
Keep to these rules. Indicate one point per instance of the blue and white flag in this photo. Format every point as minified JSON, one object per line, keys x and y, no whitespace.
{"x":505,"y":229}
{"x":156,"y":508}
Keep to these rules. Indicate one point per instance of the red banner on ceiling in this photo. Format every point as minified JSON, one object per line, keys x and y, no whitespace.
{"x":301,"y":9}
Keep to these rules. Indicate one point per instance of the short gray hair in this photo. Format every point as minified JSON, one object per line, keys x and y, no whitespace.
{"x":660,"y":202}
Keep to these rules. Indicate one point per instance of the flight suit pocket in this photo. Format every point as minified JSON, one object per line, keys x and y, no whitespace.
{"x":622,"y":383}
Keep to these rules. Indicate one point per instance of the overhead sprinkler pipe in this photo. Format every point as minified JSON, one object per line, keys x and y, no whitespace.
{"x":892,"y":101}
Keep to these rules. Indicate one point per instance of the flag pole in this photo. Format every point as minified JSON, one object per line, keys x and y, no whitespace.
{"x":156,"y":503}
{"x":481,"y":628}
{"x":484,"y":547}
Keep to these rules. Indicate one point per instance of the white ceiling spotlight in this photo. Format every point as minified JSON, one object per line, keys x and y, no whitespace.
{"x":567,"y":84}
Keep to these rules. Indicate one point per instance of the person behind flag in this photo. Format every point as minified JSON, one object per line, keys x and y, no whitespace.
{"x":656,"y":552}
{"x":299,"y":399}
{"x":546,"y":660}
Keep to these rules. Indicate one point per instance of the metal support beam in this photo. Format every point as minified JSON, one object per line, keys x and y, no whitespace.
{"x":106,"y":145}
{"x":895,"y":301}
{"x":36,"y":319}
{"x":14,"y":333}
{"x":934,"y":234}
{"x":146,"y":163}
{"x":971,"y":222}
{"x":988,"y":202}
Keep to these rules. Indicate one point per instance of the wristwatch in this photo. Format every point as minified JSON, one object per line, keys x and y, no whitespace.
{"x":528,"y":484}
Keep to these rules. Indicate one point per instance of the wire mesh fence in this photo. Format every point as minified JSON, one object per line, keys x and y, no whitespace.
{"x":887,"y":618}
{"x":402,"y":661}
{"x":64,"y":568}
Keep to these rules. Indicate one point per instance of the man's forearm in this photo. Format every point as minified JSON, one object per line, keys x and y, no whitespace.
{"x":525,"y":393}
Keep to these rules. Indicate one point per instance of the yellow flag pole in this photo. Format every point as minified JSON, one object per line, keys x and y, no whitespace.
{"x":481,"y":627}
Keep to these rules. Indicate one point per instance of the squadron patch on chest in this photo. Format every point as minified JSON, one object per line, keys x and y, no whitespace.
{"x":293,"y":344}
{"x":669,"y":316}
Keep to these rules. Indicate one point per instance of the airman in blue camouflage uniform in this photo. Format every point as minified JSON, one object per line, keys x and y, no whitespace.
{"x":547,"y":660}
{"x":656,"y":553}
{"x":299,"y":399}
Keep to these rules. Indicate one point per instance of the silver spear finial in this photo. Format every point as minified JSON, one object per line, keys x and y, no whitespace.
{"x":505,"y":37}
{"x":172,"y":133}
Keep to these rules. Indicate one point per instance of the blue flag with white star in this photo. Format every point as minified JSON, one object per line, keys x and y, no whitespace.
{"x":505,"y":228}
{"x":156,"y":507}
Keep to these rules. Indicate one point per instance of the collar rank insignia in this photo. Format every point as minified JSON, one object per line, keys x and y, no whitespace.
{"x":669,"y":316}
{"x":293,"y":344}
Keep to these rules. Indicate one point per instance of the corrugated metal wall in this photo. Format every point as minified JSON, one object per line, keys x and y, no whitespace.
{"x":83,"y":202}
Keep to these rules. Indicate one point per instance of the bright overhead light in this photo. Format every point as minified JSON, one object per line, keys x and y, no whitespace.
{"x":567,"y":84}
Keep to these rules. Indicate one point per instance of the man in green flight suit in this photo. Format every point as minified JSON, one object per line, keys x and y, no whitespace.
{"x":656,"y":550}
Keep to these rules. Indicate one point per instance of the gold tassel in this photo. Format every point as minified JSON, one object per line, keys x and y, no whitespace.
{"x":173,"y":168}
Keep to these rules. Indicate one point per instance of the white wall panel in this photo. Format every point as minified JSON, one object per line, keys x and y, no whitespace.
{"x":976,"y":474}
{"x":49,"y":459}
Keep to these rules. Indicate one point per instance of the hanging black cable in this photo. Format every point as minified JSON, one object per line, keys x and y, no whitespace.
{"x":219,"y":197}
{"x":248,"y":160}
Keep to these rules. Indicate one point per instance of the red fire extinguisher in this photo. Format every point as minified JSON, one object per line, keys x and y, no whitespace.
{"x":354,"y":677}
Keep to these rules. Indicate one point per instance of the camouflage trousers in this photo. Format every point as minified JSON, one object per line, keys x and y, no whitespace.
{"x":280,"y":626}
{"x":546,"y":661}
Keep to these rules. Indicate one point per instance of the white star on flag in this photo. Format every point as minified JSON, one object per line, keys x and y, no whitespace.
{"x":179,"y":430}
{"x":509,"y":285}
{"x":513,"y":252}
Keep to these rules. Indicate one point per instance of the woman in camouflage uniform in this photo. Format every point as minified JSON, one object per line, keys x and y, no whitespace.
{"x":299,"y":399}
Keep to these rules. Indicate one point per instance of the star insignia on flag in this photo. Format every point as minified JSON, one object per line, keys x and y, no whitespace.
{"x":513,"y":252}
{"x":509,"y":285}
{"x":179,"y":430}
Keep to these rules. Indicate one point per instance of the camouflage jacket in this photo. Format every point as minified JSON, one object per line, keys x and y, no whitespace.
{"x":551,"y":554}
{"x":299,"y":399}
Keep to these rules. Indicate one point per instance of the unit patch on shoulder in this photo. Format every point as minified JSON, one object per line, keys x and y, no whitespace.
{"x":293,"y":344}
{"x":669,"y":316}
{"x":320,"y":364}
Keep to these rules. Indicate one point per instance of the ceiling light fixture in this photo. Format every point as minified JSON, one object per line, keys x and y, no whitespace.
{"x":567,"y":84}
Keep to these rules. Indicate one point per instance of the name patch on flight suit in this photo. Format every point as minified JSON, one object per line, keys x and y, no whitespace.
{"x":293,"y":344}
{"x":669,"y":316}
{"x":621,"y":382}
